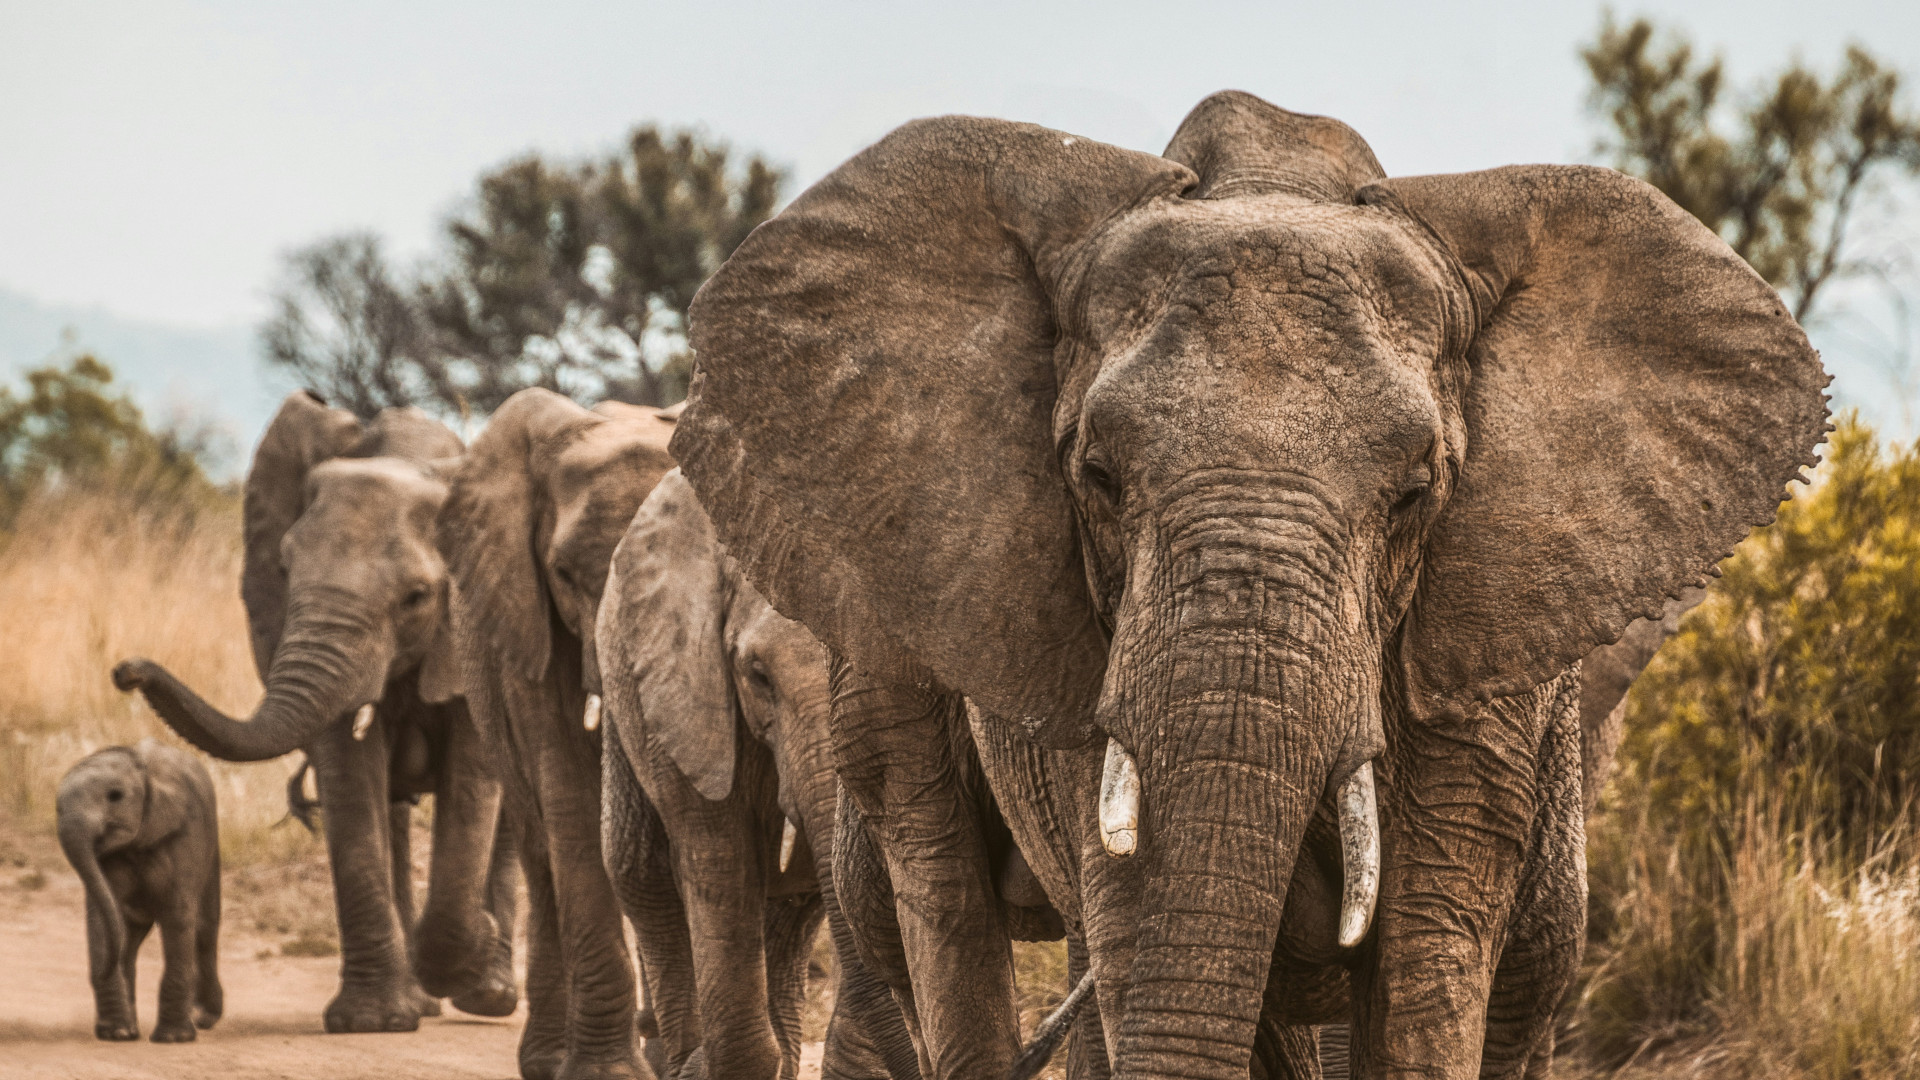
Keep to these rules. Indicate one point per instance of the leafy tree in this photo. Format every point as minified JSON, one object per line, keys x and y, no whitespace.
{"x":1778,"y":177}
{"x":575,"y":276}
{"x":1802,"y":663}
{"x":71,"y":430}
{"x":347,"y":329}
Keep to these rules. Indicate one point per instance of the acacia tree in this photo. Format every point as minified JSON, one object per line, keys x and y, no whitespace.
{"x":574,"y":276}
{"x":1778,"y":177}
{"x":347,"y":329}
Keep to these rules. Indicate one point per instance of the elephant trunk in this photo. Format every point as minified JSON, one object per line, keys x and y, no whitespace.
{"x":1233,"y":758}
{"x":77,"y":836}
{"x":322,"y":670}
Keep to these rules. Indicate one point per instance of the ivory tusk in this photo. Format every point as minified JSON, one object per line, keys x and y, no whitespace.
{"x":362,"y":720}
{"x":1359,"y":855}
{"x":787,"y":834}
{"x":590,"y":719}
{"x":1119,"y":801}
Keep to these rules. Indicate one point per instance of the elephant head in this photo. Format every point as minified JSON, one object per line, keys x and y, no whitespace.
{"x":1229,"y":458}
{"x":536,"y":510}
{"x":703,"y":650}
{"x":344,"y":588}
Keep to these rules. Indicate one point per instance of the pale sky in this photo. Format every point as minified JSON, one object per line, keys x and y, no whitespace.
{"x":158,"y":158}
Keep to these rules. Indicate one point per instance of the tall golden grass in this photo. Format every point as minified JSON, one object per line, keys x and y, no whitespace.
{"x":1777,"y":953}
{"x":89,"y":577}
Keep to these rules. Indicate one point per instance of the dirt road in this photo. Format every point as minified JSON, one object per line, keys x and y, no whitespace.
{"x":271,"y":1028}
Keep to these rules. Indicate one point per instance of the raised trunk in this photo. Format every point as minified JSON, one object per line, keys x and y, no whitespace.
{"x":313,"y":682}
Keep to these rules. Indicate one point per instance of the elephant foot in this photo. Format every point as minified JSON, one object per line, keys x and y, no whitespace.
{"x":452,"y":957}
{"x":541,"y":1058}
{"x":204,"y":1018}
{"x":629,"y":1068}
{"x":175,"y":1033}
{"x":115,"y":1032}
{"x":426,"y":1004}
{"x":354,"y":1012}
{"x":494,"y":997}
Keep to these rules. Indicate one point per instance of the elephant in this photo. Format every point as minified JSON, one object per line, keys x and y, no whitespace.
{"x":716,"y":715}
{"x":1260,"y":506}
{"x":346,"y":600}
{"x":140,"y":827}
{"x":531,"y":520}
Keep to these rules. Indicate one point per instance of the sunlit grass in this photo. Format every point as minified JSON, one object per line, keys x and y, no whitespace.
{"x":88,"y":579}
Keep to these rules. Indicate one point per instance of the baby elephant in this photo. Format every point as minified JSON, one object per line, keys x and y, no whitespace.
{"x":138,"y":824}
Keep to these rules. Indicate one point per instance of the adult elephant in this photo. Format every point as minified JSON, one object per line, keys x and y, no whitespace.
{"x":720,"y":784}
{"x":1261,"y":504}
{"x":535,"y":511}
{"x":346,"y":600}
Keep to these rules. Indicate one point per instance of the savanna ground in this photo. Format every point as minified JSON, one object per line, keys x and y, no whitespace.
{"x":1755,"y":868}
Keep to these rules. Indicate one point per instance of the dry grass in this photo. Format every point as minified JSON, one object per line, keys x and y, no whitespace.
{"x":1808,"y":960}
{"x":87,"y":580}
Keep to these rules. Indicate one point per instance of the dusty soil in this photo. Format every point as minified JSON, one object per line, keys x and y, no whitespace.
{"x":272,"y":1024}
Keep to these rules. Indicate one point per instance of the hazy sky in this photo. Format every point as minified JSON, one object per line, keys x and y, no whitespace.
{"x":156,"y":158}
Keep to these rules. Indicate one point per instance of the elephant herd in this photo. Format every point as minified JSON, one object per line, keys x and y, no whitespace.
{"x":1192,"y":556}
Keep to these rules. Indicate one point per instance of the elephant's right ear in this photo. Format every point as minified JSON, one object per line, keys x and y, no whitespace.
{"x":870,"y":423}
{"x":488,"y":533}
{"x":303,"y":434}
{"x":669,"y":644}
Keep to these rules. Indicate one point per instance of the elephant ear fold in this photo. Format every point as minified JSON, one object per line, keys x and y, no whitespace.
{"x":671,"y":602}
{"x":489,"y":533}
{"x":870,"y":420}
{"x":303,"y":434}
{"x":1637,"y":399}
{"x":1239,"y":144}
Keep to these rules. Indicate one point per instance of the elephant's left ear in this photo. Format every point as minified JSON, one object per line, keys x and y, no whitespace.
{"x":1638,"y":399}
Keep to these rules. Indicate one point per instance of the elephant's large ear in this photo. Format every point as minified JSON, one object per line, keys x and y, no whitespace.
{"x":870,"y":420}
{"x":303,"y":434}
{"x":671,"y":604}
{"x":1637,"y":400}
{"x":488,"y":533}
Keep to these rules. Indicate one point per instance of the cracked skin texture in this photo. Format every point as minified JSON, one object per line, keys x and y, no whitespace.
{"x":1265,"y":465}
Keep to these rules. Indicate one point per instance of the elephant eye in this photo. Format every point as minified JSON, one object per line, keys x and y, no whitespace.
{"x":115,"y":794}
{"x":1101,"y":477}
{"x":1411,"y":498}
{"x":758,"y":677}
{"x":417,"y":595}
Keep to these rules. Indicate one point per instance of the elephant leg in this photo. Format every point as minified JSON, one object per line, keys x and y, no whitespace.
{"x":894,"y":751}
{"x":457,"y":941}
{"x":126,"y":981}
{"x":209,"y":999}
{"x":1285,"y":1052}
{"x":543,"y":1042}
{"x":400,"y":850}
{"x":1548,"y":932}
{"x":1087,"y":1043}
{"x":866,"y":896}
{"x":377,"y":991}
{"x":724,"y":893}
{"x":1462,"y":803}
{"x":599,"y":969}
{"x":867,"y":1037}
{"x":179,"y":931}
{"x":498,"y":994}
{"x":793,"y":922}
{"x":634,"y":843}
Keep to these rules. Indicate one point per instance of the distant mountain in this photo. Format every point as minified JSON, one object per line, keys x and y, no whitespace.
{"x":211,"y":375}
